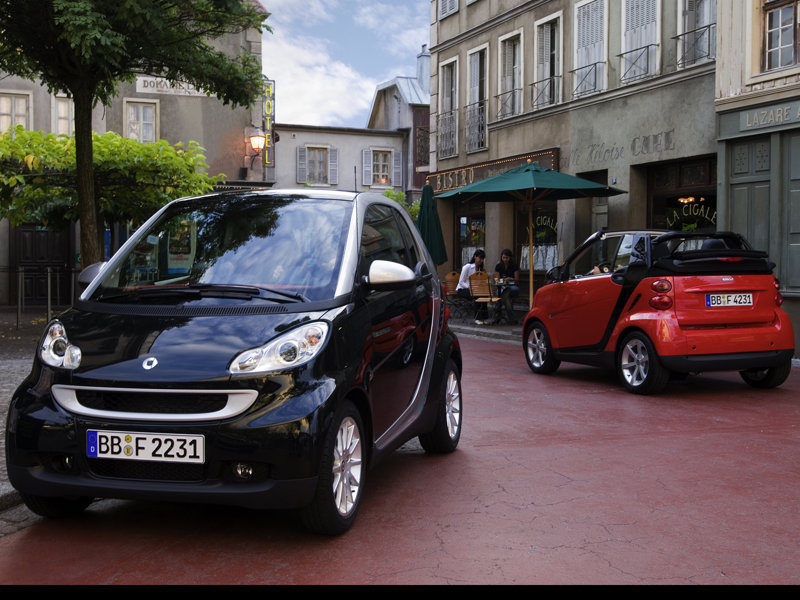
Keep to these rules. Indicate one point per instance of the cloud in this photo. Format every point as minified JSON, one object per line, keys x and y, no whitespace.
{"x":311,"y":87}
{"x":408,"y":29}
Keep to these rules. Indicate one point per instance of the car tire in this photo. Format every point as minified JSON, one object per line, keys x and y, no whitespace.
{"x":446,"y":433}
{"x":55,"y":508}
{"x":639,"y":367}
{"x":767,"y":378}
{"x":539,"y":350}
{"x":341,"y":475}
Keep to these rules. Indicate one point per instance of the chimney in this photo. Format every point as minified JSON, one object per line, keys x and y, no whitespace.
{"x":424,"y":69}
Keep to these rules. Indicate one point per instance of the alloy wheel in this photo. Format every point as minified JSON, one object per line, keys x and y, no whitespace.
{"x":347,"y":464}
{"x":537,"y":347}
{"x":453,"y":405}
{"x":635,"y":362}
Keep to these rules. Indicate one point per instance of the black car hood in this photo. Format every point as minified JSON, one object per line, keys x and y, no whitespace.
{"x":116,"y":347}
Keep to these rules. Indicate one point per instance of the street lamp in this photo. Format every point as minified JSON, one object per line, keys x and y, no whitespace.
{"x":257,"y":140}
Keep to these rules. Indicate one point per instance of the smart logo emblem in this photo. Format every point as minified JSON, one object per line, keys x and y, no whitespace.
{"x":149,"y":363}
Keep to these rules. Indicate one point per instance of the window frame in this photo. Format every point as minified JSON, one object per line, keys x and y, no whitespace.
{"x":12,"y":95}
{"x":474,"y":98}
{"x":126,"y":121}
{"x":448,"y":64}
{"x":55,"y":118}
{"x":767,"y":9}
{"x":447,"y":8}
{"x":517,"y":103}
{"x":331,"y":165}
{"x":652,"y":46}
{"x":556,"y":18}
{"x":601,"y":80}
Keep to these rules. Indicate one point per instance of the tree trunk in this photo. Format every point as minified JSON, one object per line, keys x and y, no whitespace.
{"x":91,"y":249}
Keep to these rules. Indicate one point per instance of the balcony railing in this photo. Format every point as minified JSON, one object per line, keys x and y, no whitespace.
{"x":587,"y":79}
{"x":638,"y":63}
{"x":697,"y":45}
{"x":546,"y":92}
{"x":475,"y":116}
{"x":509,"y":103}
{"x":447,"y":138}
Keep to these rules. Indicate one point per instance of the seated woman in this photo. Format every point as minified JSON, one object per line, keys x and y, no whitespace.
{"x":462,"y":289}
{"x":508,"y":271}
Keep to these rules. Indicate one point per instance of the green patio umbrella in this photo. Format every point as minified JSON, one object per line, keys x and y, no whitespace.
{"x":531,"y":183}
{"x":429,"y":226}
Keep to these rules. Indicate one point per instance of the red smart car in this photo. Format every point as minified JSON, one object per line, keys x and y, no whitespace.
{"x":651,"y":304}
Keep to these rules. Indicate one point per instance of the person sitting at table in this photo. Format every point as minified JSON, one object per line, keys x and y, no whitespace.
{"x":508,"y":272}
{"x":462,"y":289}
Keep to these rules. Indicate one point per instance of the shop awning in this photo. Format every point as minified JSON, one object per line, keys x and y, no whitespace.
{"x":531,"y":183}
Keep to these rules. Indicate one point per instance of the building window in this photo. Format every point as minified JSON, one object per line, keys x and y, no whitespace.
{"x":590,"y":51}
{"x":317,"y":165}
{"x":781,"y":31}
{"x":509,"y":101}
{"x":639,"y":56}
{"x":382,"y":168}
{"x":141,"y":121}
{"x":447,"y":138}
{"x":13,"y":111}
{"x":546,"y":90}
{"x":63,"y":116}
{"x":476,"y":105}
{"x":447,"y":8}
{"x":698,"y":42}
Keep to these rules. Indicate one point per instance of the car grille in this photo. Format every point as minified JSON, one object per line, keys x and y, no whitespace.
{"x":161,"y":402}
{"x":146,"y":470}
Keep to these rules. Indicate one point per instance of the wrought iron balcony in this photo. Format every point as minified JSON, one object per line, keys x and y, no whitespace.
{"x":447,"y":137}
{"x":509,"y":103}
{"x":587,"y":79}
{"x":476,"y":126}
{"x":546,"y":92}
{"x":696,"y":46}
{"x":638,"y":63}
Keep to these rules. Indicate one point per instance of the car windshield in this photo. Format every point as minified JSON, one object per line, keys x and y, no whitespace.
{"x":282,"y":248}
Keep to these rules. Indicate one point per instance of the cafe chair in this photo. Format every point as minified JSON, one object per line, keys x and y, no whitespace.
{"x":482,"y":293}
{"x":459,"y":307}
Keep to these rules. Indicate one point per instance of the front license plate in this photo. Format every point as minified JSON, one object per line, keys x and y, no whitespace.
{"x":714,"y":300}
{"x":164,"y":447}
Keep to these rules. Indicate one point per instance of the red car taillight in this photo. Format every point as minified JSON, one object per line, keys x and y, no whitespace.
{"x":778,"y":295}
{"x":661,"y":301}
{"x":662,"y":286}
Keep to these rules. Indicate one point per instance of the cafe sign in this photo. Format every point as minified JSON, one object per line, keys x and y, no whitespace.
{"x":443,"y":181}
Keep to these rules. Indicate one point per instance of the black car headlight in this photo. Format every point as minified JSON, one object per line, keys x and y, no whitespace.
{"x":55,"y":349}
{"x":292,"y":349}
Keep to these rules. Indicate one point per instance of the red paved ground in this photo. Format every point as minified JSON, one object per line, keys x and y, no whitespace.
{"x":565,"y":479}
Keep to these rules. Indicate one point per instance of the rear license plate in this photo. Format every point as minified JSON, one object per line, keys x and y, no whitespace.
{"x":714,"y":300}
{"x":163,"y":447}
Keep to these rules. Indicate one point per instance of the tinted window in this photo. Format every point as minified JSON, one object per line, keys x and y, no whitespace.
{"x":381,"y":239}
{"x":289,"y":244}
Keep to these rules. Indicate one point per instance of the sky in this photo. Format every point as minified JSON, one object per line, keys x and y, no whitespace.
{"x":327,"y":56}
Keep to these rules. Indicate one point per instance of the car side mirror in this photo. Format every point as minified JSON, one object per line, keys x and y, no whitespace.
{"x":388,"y":275}
{"x":554,"y":274}
{"x":88,"y":274}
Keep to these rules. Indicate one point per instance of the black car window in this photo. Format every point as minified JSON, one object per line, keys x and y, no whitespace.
{"x":381,"y":238}
{"x":596,"y":259}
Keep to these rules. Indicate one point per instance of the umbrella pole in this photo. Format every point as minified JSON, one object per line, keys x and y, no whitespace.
{"x":530,"y":255}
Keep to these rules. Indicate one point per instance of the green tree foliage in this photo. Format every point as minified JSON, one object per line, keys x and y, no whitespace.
{"x":85,"y":48}
{"x":411,"y":207}
{"x":132,"y":179}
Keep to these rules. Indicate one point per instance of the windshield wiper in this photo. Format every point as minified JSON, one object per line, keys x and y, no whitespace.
{"x":231,"y":290}
{"x":206,"y":290}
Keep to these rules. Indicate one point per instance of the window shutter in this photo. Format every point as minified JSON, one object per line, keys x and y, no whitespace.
{"x":397,"y":168}
{"x":366,"y":170}
{"x":544,"y":50}
{"x":333,"y":166}
{"x":301,"y":164}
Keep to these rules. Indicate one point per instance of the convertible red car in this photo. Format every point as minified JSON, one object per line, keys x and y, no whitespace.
{"x":652,"y":304}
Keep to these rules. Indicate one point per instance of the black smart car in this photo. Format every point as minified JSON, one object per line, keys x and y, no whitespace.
{"x":258,"y":348}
